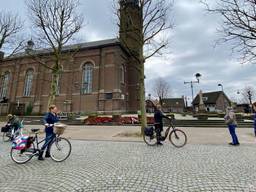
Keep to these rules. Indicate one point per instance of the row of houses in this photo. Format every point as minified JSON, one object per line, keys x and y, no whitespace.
{"x":214,"y":102}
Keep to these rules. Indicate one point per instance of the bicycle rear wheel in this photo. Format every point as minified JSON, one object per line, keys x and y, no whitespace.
{"x":178,"y":138}
{"x":60,"y":149}
{"x":6,"y":136}
{"x":150,"y":140}
{"x":21,"y":157}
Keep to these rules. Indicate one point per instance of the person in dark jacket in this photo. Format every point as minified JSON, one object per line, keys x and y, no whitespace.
{"x":49,"y":119}
{"x":14,"y":122}
{"x":158,"y":117}
{"x":254,"y":117}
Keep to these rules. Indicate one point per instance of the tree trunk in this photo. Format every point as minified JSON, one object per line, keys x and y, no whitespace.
{"x":53,"y":89}
{"x":142,"y":99}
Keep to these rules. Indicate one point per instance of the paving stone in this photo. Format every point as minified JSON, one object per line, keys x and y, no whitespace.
{"x":127,"y":166}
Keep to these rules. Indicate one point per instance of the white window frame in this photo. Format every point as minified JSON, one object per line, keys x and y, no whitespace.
{"x":28,"y":82}
{"x":87,"y":78}
{"x":4,"y":84}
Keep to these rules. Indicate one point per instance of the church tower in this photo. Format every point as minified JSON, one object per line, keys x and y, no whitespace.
{"x":131,"y":26}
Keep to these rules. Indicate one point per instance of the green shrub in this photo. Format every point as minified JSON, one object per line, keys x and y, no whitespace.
{"x":29,"y":109}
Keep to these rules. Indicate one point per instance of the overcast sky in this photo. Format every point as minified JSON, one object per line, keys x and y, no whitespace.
{"x":191,"y":48}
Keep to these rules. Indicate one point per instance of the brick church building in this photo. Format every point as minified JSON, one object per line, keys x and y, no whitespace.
{"x":100,"y":77}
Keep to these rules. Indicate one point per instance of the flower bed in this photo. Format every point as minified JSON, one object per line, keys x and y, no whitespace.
{"x":97,"y":120}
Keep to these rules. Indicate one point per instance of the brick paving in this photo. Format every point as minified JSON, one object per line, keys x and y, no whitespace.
{"x":134,"y":166}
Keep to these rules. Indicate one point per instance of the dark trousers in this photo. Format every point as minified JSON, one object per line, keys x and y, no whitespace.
{"x":159,"y":129}
{"x":232,"y":130}
{"x":254,"y":126}
{"x":48,"y":141}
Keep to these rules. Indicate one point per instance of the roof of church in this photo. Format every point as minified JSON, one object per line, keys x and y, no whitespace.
{"x":74,"y":47}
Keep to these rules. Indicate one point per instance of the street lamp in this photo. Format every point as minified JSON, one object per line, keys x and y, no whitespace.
{"x":224,"y":104}
{"x":220,"y":85}
{"x":197,"y":75}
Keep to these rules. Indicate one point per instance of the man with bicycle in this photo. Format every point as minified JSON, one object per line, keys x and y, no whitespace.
{"x":49,"y":119}
{"x":158,"y":117}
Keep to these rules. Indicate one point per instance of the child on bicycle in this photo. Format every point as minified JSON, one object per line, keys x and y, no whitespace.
{"x":49,"y":119}
{"x":158,"y":117}
{"x":14,"y":122}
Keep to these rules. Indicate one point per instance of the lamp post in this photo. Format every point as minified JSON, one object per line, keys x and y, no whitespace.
{"x":224,"y":104}
{"x":197,"y":75}
{"x":220,"y":85}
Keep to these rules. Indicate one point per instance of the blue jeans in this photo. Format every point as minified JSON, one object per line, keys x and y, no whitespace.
{"x":232,"y":130}
{"x":48,"y":141}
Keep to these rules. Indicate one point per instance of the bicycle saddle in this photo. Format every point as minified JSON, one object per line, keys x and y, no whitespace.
{"x":35,"y":130}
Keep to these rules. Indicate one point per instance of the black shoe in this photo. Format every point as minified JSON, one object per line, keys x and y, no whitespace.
{"x":237,"y":144}
{"x":231,"y":144}
{"x":47,"y":154}
{"x":40,"y":157}
{"x":159,"y":143}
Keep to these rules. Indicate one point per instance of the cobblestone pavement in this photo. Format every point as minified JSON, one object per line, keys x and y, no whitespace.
{"x":133,"y":166}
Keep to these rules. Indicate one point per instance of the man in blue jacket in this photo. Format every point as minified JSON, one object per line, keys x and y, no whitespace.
{"x":158,"y":117}
{"x":49,"y":119}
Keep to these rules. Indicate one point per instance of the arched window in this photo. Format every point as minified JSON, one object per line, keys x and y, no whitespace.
{"x":4,"y":85}
{"x":87,"y":78}
{"x":122,"y":74}
{"x":28,"y":82}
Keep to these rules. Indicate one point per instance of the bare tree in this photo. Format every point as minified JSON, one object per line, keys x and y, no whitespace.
{"x":146,"y":36}
{"x":161,"y":88}
{"x":239,"y":25}
{"x":55,"y":23}
{"x":10,"y":27}
{"x":248,"y":94}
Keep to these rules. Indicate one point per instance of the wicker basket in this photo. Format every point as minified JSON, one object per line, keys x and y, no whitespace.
{"x":59,"y":129}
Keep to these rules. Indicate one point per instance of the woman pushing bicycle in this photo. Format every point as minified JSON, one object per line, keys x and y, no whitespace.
{"x":49,"y":119}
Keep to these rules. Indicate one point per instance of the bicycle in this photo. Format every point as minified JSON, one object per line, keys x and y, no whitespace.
{"x":176,"y":136}
{"x":60,"y":149}
{"x":11,"y":134}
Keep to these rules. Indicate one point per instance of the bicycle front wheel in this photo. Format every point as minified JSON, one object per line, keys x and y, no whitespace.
{"x":178,"y":138}
{"x":6,"y":137}
{"x":60,"y":149}
{"x":20,"y":156}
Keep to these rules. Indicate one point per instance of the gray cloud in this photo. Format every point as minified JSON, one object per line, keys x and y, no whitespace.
{"x":192,"y":47}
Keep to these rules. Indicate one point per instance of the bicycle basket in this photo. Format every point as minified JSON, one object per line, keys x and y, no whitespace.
{"x":148,"y":131}
{"x":59,"y":128}
{"x":20,"y":142}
